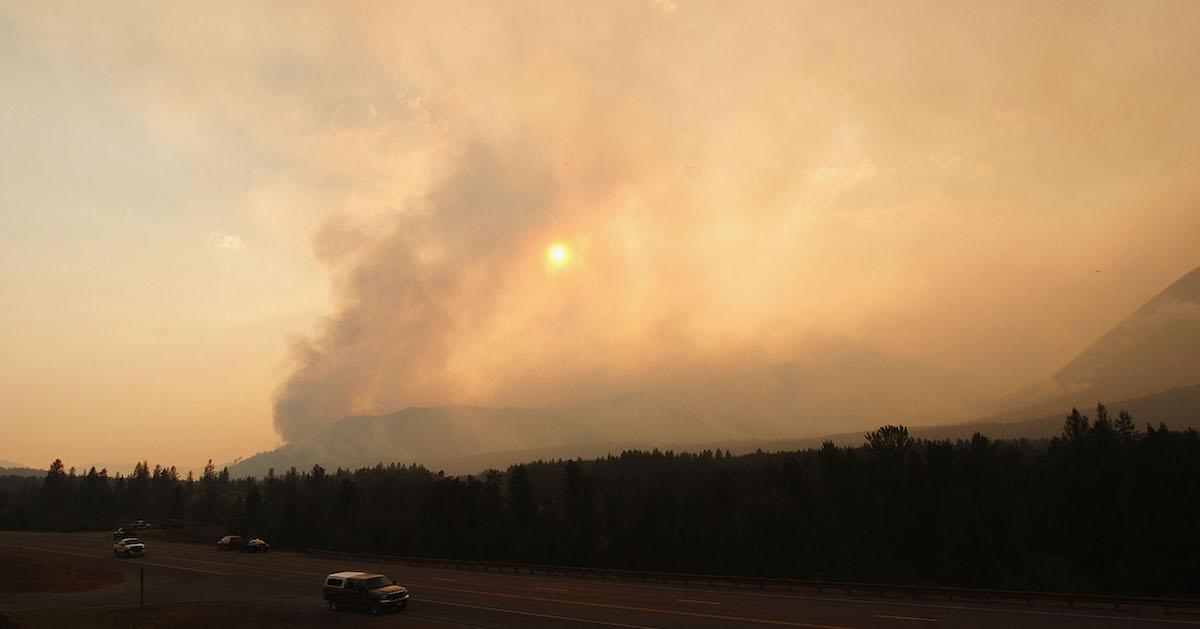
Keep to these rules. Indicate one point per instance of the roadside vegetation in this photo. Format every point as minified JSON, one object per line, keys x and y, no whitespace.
{"x":25,"y":574}
{"x":178,"y":616}
{"x":1104,"y":508}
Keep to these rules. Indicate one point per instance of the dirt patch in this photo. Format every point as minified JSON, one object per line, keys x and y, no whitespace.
{"x":24,"y":574}
{"x":189,"y":616}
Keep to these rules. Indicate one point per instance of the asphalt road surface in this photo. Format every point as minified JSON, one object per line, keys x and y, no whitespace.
{"x":178,"y":573}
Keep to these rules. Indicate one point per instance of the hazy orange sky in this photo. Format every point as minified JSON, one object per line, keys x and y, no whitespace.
{"x":220,"y":219}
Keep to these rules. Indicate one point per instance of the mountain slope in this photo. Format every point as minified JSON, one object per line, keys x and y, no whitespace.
{"x":413,"y":435}
{"x":1178,"y":408}
{"x":726,"y":403}
{"x":20,"y":471}
{"x":1155,"y":349}
{"x":1151,"y":359}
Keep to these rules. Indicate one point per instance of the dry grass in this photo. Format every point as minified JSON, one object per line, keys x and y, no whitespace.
{"x":25,"y":574}
{"x":189,"y":616}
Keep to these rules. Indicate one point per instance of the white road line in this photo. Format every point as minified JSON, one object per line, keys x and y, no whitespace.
{"x":139,"y":562}
{"x":538,"y":587}
{"x":864,"y":601}
{"x":648,"y":610}
{"x":537,"y":615}
{"x":166,"y":565}
{"x":912,"y":618}
{"x":696,"y":602}
{"x":996,"y":610}
{"x":135,"y":561}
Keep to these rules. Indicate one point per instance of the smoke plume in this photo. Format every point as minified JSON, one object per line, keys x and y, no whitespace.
{"x":789,"y":219}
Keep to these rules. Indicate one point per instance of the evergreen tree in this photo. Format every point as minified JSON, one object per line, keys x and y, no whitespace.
{"x":889,"y":441}
{"x":1124,"y":426}
{"x":178,"y":508}
{"x":1076,"y":426}
{"x":520,"y":496}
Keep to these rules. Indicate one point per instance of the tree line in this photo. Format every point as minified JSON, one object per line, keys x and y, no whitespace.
{"x":1103,"y":508}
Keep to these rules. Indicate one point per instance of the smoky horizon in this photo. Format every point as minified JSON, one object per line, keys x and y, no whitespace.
{"x":225,"y":231}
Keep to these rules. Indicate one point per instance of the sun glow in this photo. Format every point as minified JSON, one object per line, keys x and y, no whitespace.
{"x":557,"y":254}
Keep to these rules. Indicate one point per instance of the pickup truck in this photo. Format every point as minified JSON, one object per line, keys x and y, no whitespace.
{"x":373,"y":592}
{"x":129,"y":547}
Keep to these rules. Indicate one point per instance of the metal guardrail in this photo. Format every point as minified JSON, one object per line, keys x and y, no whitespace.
{"x":915,"y":592}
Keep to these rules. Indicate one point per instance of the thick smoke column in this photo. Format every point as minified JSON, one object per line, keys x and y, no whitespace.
{"x":405,"y":297}
{"x":782,"y":220}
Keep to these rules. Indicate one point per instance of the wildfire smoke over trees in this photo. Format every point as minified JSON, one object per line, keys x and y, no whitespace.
{"x":1103,"y":508}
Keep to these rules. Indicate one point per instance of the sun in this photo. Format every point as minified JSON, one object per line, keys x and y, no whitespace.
{"x":558,"y":254}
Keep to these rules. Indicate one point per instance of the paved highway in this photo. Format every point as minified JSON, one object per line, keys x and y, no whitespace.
{"x":178,"y":573}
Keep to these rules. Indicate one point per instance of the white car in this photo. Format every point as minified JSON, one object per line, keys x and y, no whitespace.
{"x":129,"y":547}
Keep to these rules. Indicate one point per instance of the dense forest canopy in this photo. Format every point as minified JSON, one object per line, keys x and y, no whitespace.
{"x":1105,"y":507}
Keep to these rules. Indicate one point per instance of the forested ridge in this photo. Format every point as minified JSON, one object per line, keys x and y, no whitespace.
{"x":1105,"y":507}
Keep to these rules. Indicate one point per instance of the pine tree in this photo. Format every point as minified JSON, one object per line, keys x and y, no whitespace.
{"x":1076,"y":426}
{"x":178,"y":508}
{"x":1125,"y":426}
{"x":890,"y":442}
{"x":1103,"y":426}
{"x":520,"y":496}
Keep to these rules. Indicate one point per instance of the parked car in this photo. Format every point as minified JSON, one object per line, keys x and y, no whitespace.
{"x":122,"y":533}
{"x":129,"y":547}
{"x":373,"y":592}
{"x":139,"y":525}
{"x":230,"y":542}
{"x":256,"y":545}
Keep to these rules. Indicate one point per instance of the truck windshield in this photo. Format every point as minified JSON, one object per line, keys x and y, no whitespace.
{"x":374,"y":583}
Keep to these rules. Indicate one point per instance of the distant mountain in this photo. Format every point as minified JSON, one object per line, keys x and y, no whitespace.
{"x":365,"y":441}
{"x":17,"y":470}
{"x":755,"y":402}
{"x":7,"y":463}
{"x":1178,"y":408}
{"x":416,"y":435}
{"x":1151,"y":361}
{"x":1155,"y":349}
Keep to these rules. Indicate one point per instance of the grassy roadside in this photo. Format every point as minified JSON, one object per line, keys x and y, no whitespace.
{"x":184,"y":616}
{"x":26,"y":574}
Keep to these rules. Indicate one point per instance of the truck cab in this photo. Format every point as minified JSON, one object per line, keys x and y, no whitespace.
{"x":364,"y":590}
{"x":129,"y":547}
